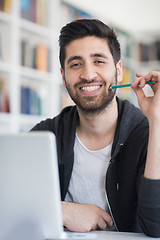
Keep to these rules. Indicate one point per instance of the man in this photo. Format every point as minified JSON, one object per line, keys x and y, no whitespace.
{"x":109,"y":172}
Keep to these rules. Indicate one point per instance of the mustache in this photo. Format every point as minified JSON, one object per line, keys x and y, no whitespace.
{"x":84,"y":81}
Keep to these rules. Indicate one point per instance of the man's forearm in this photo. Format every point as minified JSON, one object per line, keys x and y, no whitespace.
{"x":152,"y":169}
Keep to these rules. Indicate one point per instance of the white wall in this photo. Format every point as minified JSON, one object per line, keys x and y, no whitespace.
{"x":134,"y":16}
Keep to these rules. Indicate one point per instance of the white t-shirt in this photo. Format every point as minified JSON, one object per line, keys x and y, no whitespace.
{"x":87,"y":184}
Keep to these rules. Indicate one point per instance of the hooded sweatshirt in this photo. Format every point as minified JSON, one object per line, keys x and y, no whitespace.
{"x":134,"y":201}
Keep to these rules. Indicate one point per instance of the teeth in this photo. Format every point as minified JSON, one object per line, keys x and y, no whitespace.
{"x":89,"y":89}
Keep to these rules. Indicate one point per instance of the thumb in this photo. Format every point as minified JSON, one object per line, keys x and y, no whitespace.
{"x":139,"y":93}
{"x":140,"y":74}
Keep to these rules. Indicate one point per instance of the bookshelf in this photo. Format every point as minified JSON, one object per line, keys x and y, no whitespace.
{"x":29,"y":72}
{"x":139,"y":53}
{"x":69,"y":13}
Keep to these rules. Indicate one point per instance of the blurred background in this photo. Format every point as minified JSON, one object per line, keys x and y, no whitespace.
{"x":30,"y":82}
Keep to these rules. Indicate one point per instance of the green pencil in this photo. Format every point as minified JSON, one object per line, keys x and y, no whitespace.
{"x":128,"y":85}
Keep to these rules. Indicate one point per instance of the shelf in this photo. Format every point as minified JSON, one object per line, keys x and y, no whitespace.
{"x":31,"y":119}
{"x":37,"y":29}
{"x":129,"y":62}
{"x":21,"y":73}
{"x":153,"y":65}
{"x":7,"y":18}
{"x":6,"y":67}
{"x":27,"y":121}
{"x":5,"y":117}
{"x":28,"y":55}
{"x":35,"y":74}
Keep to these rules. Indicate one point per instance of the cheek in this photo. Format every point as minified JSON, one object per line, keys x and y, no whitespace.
{"x":108,"y":75}
{"x":71,"y":77}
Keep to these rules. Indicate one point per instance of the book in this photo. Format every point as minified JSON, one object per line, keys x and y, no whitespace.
{"x":148,"y":51}
{"x":70,"y":13}
{"x":36,"y":56}
{"x":1,"y":5}
{"x":157,"y":44}
{"x":25,"y":9}
{"x":34,"y":11}
{"x":31,"y":102}
{"x":4,"y":99}
{"x":7,"y":6}
{"x":42,"y":57}
{"x":26,"y":53}
{"x":0,"y":47}
{"x":41,"y":12}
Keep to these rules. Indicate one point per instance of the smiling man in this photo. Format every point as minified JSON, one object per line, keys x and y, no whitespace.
{"x":108,"y":151}
{"x":89,"y":73}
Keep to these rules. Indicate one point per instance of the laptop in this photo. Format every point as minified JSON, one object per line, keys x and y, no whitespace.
{"x":30,"y":207}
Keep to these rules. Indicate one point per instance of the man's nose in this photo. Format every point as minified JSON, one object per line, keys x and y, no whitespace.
{"x":88,"y":73}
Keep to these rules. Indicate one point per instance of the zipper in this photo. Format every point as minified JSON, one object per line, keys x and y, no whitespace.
{"x":111,"y":213}
{"x":109,"y":207}
{"x":117,"y":186}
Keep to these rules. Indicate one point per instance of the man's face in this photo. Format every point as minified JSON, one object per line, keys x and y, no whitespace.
{"x":89,"y":71}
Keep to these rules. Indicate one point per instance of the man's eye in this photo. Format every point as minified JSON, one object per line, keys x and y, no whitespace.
{"x":75,"y":65}
{"x":99,"y":61}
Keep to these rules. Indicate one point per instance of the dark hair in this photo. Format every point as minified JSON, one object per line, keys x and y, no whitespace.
{"x":88,"y":27}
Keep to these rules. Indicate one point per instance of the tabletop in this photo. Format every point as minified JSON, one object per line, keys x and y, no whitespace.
{"x":109,"y":235}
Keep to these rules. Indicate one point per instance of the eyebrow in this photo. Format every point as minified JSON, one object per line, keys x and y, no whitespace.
{"x":99,"y":55}
{"x":92,"y":55}
{"x":74,"y":58}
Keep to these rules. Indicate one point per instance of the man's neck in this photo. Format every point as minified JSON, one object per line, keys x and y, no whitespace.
{"x":97,"y":131}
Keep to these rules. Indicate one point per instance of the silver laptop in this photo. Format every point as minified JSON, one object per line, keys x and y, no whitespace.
{"x":30,"y":207}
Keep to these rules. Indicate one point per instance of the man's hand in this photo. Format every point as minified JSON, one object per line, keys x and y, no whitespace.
{"x":150,"y":106}
{"x":84,"y":217}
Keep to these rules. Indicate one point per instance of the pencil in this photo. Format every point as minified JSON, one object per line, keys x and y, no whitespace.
{"x":128,"y":85}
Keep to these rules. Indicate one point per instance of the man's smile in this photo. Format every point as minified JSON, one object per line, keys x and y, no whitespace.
{"x":90,"y":89}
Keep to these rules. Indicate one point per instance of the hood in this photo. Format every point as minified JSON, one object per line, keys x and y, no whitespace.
{"x":129,"y":117}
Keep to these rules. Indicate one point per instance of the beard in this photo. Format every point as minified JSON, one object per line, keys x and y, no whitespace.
{"x":92,"y":105}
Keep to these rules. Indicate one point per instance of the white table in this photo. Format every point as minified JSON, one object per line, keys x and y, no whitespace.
{"x":108,"y":235}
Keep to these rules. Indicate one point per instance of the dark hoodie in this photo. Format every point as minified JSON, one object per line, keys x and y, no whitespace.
{"x":133,"y":199}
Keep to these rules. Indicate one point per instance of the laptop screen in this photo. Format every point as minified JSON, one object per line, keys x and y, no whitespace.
{"x":29,"y":185}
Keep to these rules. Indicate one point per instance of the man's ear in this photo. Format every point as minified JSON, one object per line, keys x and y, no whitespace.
{"x":119,"y":71}
{"x":63,"y":77}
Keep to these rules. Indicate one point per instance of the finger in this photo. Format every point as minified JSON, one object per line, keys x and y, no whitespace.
{"x":107,"y":218}
{"x":139,"y":82}
{"x":145,"y":78}
{"x":110,"y":224}
{"x":154,"y":76}
{"x":139,"y":93}
{"x":94,"y":227}
{"x":136,"y":82}
{"x":140,"y":74}
{"x":150,"y":75}
{"x":142,"y":82}
{"x":102,"y":224}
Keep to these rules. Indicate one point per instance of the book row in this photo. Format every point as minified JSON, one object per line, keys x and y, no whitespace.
{"x":69,"y":13}
{"x":149,"y":52}
{"x":5,"y":6}
{"x":35,"y":11}
{"x":35,"y":56}
{"x":31,"y":101}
